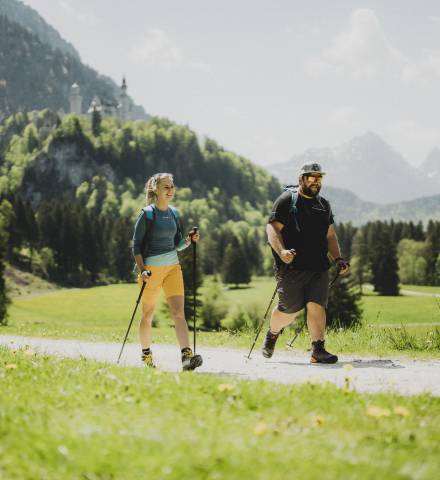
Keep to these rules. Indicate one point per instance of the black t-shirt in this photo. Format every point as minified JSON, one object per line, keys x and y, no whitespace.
{"x":314,"y":217}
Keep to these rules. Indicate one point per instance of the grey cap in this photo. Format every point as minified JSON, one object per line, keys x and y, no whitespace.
{"x":311,"y":168}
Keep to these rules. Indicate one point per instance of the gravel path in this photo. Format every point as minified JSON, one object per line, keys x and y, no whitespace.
{"x":370,"y":374}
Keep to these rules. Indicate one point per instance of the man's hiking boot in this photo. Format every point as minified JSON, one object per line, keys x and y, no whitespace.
{"x":147,"y":358}
{"x":189,"y":360}
{"x":269,"y":343}
{"x":320,"y":354}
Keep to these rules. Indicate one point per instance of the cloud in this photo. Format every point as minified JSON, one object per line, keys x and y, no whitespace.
{"x":362,"y":51}
{"x":434,"y":19}
{"x":87,"y":18}
{"x":156,"y":48}
{"x":342,"y":116}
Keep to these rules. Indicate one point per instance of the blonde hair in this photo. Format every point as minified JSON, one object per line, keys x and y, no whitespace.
{"x":152,"y":184}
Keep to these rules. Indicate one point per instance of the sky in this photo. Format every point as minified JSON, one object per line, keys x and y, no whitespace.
{"x":269,"y":79}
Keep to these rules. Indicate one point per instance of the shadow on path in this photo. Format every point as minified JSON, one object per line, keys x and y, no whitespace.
{"x":387,"y":364}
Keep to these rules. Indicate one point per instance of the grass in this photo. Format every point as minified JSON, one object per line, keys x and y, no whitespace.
{"x":103,"y":313}
{"x":85,"y":420}
{"x":422,"y":288}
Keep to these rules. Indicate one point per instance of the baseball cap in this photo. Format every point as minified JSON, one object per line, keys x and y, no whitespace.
{"x":311,"y":168}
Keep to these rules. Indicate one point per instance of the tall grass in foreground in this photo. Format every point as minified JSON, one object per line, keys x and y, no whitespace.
{"x":67,"y":419}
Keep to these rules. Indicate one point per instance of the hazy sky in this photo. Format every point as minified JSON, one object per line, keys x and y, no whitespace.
{"x":268,"y":79}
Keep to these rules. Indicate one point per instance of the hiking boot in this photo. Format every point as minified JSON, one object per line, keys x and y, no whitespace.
{"x":147,"y":359}
{"x":189,"y":360}
{"x":269,"y":343}
{"x":320,"y":354}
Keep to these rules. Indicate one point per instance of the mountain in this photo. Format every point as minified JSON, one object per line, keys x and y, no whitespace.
{"x":34,"y":75}
{"x":29,"y":19}
{"x":421,"y":209}
{"x":347,"y":207}
{"x":367,"y":166}
{"x":430,"y":167}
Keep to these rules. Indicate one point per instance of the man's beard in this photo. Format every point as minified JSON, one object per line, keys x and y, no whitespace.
{"x":311,"y":193}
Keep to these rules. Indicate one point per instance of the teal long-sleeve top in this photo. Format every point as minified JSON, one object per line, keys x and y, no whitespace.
{"x":163,"y":244}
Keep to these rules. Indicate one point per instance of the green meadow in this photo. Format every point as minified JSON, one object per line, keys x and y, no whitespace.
{"x":69,"y":419}
{"x":103,"y":313}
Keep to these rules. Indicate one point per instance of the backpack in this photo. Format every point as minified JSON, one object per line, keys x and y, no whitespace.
{"x":293,"y":189}
{"x":150,"y":216}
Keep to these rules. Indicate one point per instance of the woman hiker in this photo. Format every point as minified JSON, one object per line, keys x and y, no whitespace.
{"x":157,"y":239}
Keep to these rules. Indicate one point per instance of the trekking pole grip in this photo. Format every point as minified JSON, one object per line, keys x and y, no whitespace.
{"x":192,"y":232}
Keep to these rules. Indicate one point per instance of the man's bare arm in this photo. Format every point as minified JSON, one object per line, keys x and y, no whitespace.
{"x":275,"y":239}
{"x":333,"y":244}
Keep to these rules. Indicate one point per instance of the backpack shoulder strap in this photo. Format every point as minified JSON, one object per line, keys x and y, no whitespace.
{"x":293,"y":189}
{"x":149,"y":212}
{"x":174,"y":212}
{"x":149,"y":215}
{"x":179,"y":233}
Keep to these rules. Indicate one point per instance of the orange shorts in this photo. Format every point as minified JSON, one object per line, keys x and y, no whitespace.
{"x":167,"y":277}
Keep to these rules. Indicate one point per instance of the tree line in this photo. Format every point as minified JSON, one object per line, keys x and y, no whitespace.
{"x":388,"y":253}
{"x":78,"y":233}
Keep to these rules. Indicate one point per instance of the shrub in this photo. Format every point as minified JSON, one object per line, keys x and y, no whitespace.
{"x":246,"y":318}
{"x":214,"y":307}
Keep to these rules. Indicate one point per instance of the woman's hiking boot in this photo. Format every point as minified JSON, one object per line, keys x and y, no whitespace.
{"x":147,"y":358}
{"x":189,"y":360}
{"x":320,"y":354}
{"x":269,"y":343}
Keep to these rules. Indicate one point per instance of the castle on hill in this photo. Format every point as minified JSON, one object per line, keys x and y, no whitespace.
{"x":121,"y":108}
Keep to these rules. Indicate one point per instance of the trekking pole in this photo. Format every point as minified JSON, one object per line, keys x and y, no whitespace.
{"x":299,"y":330}
{"x":132,"y":317}
{"x":194,"y":246}
{"x":262,"y":323}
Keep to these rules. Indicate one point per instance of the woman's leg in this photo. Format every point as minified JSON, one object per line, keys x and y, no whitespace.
{"x":176,"y":304}
{"x":145,"y":325}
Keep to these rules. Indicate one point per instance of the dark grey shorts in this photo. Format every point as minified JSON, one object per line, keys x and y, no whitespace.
{"x":296,"y":288}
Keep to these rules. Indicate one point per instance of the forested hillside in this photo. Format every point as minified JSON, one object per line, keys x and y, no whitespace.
{"x":28,"y":18}
{"x":76,"y":188}
{"x":34,"y":75}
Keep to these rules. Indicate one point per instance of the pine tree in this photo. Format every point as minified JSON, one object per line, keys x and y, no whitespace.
{"x":121,"y":259}
{"x":6,"y":212}
{"x":344,"y":310}
{"x":360,"y":262}
{"x":236,"y":268}
{"x":383,"y":258}
{"x":89,"y":247}
{"x":346,"y":234}
{"x":186,"y":262}
{"x":96,"y":122}
{"x":432,"y":252}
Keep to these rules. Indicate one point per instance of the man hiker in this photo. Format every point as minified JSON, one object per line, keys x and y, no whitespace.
{"x":301,"y":233}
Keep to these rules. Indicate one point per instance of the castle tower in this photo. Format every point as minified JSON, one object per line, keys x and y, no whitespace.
{"x":125,"y":106}
{"x":75,"y":99}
